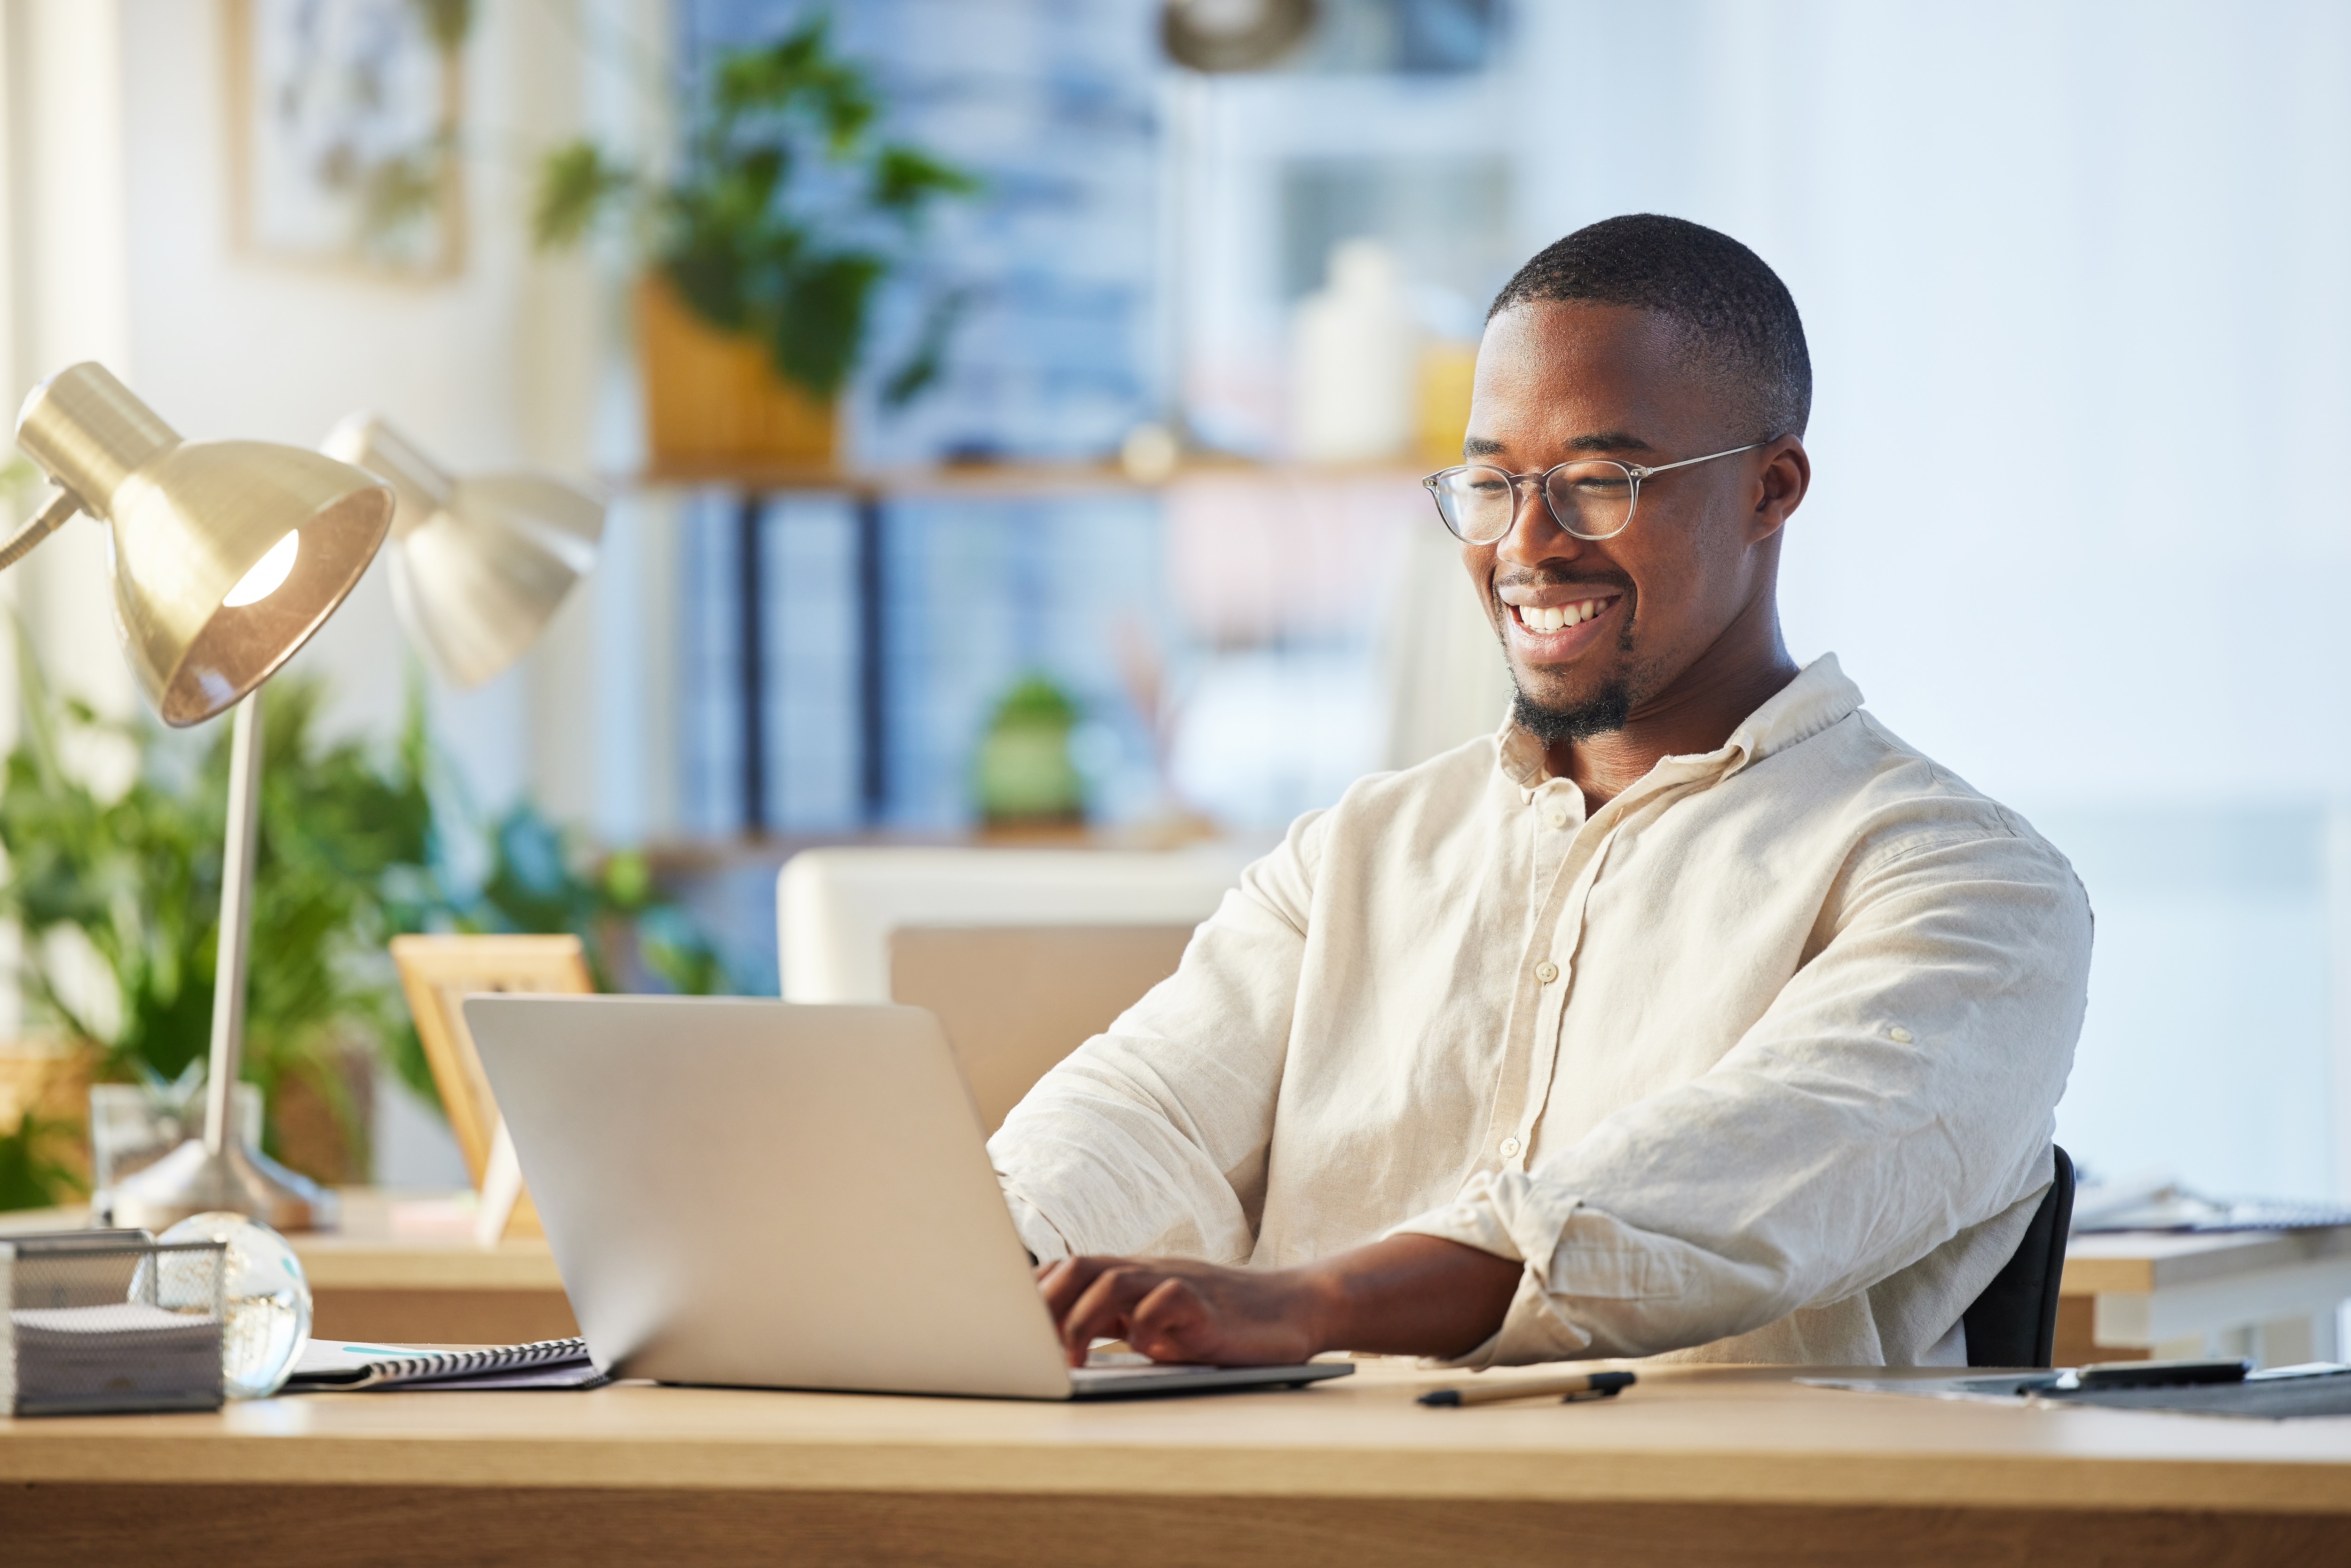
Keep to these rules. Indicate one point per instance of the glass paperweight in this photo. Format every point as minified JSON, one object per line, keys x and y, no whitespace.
{"x":268,"y":1301}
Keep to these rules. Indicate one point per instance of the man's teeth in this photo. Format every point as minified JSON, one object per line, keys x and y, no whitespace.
{"x":1553,"y":617}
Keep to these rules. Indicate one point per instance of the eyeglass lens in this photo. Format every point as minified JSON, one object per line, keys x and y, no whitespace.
{"x":1589,"y":499}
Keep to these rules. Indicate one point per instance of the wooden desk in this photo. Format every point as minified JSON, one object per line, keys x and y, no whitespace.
{"x":1694,"y":1466}
{"x":373,"y":1279}
{"x":2272,"y":1295}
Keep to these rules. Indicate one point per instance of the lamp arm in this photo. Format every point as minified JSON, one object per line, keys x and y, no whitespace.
{"x":53,"y":517}
{"x":236,"y":928}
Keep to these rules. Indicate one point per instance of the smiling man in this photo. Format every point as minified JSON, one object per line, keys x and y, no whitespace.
{"x":1692,"y":1013}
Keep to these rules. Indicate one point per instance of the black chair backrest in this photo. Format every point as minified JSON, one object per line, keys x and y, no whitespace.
{"x":2014,"y":1322}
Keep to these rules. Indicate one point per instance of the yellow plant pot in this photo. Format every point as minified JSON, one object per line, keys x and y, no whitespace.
{"x":713,"y":400}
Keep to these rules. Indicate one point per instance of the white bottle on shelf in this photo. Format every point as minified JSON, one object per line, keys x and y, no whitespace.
{"x":1355,"y":361}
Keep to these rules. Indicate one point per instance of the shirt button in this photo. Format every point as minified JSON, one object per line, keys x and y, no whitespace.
{"x":1558,"y":818}
{"x":1898,"y":1035}
{"x":1510,"y":1148}
{"x":1546,"y":971}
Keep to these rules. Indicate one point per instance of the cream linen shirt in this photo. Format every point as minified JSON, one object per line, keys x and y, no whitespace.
{"x":1756,"y":1063}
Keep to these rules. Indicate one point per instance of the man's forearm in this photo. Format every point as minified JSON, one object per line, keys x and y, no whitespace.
{"x":1410,"y":1295}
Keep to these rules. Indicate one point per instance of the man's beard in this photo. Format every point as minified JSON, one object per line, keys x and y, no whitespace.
{"x":1605,"y":710}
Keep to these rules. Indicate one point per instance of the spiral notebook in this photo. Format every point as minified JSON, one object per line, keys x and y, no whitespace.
{"x":334,"y":1365}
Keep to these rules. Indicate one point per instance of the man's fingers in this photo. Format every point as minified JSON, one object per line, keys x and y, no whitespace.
{"x":1101,"y":1312}
{"x":1064,"y":1280}
{"x":1167,"y":1323}
{"x":1156,"y":1311}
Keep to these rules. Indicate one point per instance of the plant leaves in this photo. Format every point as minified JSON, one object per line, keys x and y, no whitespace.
{"x":30,"y":1177}
{"x":907,"y":179}
{"x":350,"y":853}
{"x":577,"y":183}
{"x":799,"y":75}
{"x":820,"y":322}
{"x":759,"y":238}
{"x":447,"y":21}
{"x":926,"y":361}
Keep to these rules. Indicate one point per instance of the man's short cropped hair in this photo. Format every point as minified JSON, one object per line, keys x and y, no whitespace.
{"x":1742,"y":320}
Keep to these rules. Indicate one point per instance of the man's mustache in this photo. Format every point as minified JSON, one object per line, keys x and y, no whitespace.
{"x":1537,"y":577}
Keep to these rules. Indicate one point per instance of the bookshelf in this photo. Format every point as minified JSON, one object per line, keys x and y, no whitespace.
{"x":871,"y":495}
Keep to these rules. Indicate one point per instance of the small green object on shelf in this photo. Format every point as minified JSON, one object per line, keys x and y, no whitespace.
{"x":1024,"y":775}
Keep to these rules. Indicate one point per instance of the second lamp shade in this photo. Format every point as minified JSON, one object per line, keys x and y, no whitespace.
{"x":479,"y":564}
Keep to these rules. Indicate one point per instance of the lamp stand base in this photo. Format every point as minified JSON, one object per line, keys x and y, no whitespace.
{"x":190,"y":1180}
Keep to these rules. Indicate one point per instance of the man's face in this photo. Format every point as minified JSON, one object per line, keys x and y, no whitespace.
{"x":1557,"y":380}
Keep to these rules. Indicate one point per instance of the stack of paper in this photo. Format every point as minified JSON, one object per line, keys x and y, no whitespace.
{"x":125,"y":1356}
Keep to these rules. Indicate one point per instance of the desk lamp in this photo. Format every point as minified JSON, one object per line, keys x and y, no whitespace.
{"x":226,"y":556}
{"x":479,"y":564}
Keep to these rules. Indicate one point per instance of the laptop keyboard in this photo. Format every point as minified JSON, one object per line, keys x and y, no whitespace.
{"x":1100,"y":1366}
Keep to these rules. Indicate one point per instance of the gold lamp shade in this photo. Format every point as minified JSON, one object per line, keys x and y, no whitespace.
{"x":479,"y":564}
{"x":226,"y":555}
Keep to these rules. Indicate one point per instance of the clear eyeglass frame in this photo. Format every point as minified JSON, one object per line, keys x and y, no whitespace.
{"x":1594,"y":486}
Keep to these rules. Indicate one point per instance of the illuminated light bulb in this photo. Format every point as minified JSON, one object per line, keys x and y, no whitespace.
{"x":268,"y":573}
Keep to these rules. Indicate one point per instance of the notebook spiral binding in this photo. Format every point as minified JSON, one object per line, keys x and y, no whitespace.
{"x":465,"y":1363}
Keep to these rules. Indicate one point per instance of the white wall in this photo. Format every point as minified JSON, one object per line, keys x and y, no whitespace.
{"x":2095,"y":249}
{"x":67,"y":290}
{"x":118,"y":247}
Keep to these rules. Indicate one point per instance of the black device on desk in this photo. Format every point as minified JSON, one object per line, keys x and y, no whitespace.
{"x":2158,"y":1374}
{"x":2184,"y":1387}
{"x":2209,"y":1388}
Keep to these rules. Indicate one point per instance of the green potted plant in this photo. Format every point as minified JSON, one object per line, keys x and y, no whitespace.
{"x":116,"y":896}
{"x":786,"y":211}
{"x":1024,"y":775}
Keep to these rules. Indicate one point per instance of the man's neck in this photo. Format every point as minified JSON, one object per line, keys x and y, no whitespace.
{"x":1694,"y":713}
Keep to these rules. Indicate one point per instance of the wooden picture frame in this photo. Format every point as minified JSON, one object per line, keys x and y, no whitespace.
{"x":436,"y":975}
{"x":346,"y":133}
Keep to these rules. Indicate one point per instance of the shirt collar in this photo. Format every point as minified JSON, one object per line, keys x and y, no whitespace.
{"x":1819,"y":696}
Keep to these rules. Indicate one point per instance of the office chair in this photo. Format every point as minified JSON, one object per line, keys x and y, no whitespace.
{"x":2014,"y":1322}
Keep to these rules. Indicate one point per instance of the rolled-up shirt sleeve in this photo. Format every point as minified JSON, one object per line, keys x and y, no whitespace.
{"x":1898,"y":1091}
{"x":1153,"y":1136}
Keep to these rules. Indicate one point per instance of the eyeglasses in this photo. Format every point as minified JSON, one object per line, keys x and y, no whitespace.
{"x":1591,"y":498}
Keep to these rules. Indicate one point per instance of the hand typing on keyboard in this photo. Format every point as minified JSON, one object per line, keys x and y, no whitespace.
{"x":1415,"y":1295}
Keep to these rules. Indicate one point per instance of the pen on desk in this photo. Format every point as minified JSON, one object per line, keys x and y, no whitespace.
{"x":1581,"y":1385}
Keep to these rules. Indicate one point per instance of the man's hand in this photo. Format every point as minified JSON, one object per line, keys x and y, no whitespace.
{"x":1410,"y":1295}
{"x":1170,"y":1309}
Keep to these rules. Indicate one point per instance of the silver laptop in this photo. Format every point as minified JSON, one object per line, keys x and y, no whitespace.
{"x":774,"y":1195}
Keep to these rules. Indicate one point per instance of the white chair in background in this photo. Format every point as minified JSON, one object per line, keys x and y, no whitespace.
{"x":835,"y":908}
{"x":1023,"y":953}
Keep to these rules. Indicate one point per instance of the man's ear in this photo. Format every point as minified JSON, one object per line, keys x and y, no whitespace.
{"x":1787,"y":475}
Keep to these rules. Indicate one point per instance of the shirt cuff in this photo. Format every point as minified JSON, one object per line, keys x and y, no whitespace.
{"x":1581,"y":1267}
{"x":1037,"y":1233}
